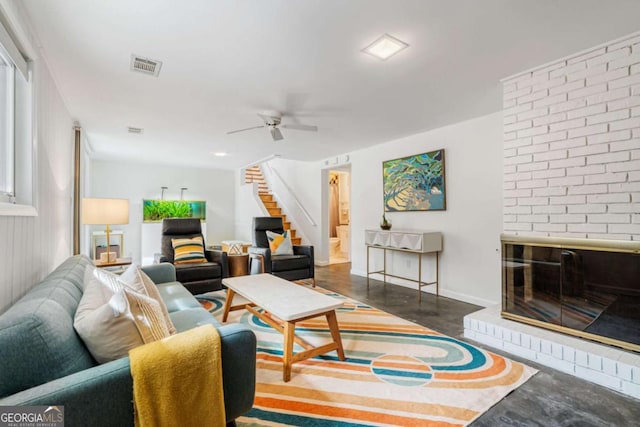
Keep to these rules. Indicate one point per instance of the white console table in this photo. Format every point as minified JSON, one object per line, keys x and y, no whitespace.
{"x":418,"y":242}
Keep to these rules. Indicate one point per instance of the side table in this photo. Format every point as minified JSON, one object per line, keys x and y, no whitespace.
{"x":238,"y":265}
{"x":117,"y":267}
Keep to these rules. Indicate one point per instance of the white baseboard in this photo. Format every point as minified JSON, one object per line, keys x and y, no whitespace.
{"x":430,"y":289}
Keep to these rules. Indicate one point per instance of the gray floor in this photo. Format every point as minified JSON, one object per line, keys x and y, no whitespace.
{"x":550,"y":398}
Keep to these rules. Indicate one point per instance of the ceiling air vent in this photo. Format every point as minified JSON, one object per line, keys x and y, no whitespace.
{"x":145,"y":65}
{"x":135,"y":130}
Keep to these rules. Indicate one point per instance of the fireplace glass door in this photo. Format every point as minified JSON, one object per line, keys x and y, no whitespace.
{"x":587,"y":292}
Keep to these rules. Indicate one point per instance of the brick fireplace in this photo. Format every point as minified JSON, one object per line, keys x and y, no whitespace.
{"x":571,"y":170}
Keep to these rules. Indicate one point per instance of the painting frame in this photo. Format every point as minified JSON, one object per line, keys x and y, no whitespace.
{"x":415,"y":183}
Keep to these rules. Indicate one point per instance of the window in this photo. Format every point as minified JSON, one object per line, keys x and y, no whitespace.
{"x":7,"y":125}
{"x":16,"y":142}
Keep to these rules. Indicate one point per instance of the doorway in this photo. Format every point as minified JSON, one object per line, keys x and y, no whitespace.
{"x":339,"y":204}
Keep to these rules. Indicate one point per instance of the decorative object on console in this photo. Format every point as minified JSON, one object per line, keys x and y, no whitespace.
{"x":97,"y":211}
{"x":414,"y":183}
{"x":385,"y":224}
{"x":157,"y":210}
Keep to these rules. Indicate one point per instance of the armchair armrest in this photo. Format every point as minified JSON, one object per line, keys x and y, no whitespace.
{"x":221,"y":258}
{"x":303,"y":250}
{"x":161,"y":273}
{"x":265,"y":253}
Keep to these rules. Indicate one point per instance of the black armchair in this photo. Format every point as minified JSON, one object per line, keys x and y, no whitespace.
{"x":298,"y":266}
{"x":197,"y":277}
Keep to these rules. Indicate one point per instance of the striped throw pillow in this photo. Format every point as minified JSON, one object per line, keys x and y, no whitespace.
{"x":188,"y":250}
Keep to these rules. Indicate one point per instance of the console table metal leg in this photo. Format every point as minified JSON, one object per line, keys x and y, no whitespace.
{"x":384,"y":267}
{"x":437,"y":275}
{"x":368,"y":247}
{"x":419,"y":278}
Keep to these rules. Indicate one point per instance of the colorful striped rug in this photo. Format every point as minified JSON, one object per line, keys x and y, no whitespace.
{"x":396,"y":373}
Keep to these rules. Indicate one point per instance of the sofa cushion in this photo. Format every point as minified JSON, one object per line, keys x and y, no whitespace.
{"x":177,"y":297}
{"x":37,"y":335}
{"x":191,"y":317}
{"x":112,"y":318}
{"x":289,"y":262}
{"x":186,"y":273}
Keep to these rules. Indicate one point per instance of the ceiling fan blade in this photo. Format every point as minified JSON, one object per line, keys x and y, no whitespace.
{"x":276,"y":134}
{"x":242,"y":130}
{"x":301,"y":127}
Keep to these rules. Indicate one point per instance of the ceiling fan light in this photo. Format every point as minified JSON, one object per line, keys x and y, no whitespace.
{"x":276,"y":134}
{"x":385,"y":47}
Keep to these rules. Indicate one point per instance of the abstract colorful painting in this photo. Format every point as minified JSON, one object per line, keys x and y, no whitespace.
{"x":414,"y":183}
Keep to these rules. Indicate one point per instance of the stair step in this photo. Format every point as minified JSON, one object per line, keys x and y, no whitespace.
{"x":270,"y":204}
{"x":266,"y":197}
{"x":296,"y":240}
{"x":274,"y":211}
{"x":287,"y":225}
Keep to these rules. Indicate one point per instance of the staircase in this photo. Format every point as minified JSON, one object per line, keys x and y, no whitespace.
{"x":254,"y":174}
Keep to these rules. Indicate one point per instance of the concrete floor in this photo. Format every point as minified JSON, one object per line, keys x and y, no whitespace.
{"x":551,"y":398}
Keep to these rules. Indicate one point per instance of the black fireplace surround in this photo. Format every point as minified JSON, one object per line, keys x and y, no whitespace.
{"x":584,"y":287}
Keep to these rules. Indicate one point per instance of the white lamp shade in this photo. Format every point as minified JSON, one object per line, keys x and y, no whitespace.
{"x":105,"y":211}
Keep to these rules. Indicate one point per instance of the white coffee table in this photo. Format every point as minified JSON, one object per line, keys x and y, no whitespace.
{"x":288,"y":303}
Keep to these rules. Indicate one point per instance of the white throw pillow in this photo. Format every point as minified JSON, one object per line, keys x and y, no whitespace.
{"x":112,"y":318}
{"x":138,"y":280}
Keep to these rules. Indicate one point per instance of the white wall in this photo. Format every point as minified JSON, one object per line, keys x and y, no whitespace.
{"x":138,"y":181}
{"x":31,"y":247}
{"x":572,"y":145}
{"x":471,"y":224}
{"x":470,"y":261}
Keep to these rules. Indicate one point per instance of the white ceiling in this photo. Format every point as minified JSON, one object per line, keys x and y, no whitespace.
{"x":225,"y":61}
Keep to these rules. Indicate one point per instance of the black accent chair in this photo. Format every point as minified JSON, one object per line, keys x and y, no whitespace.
{"x":290,"y":267}
{"x":199,"y":277}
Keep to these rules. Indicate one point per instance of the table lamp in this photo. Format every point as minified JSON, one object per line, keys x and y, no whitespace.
{"x":105,"y":211}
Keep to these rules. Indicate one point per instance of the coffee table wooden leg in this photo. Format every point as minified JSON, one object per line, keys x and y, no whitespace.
{"x":335,"y":333}
{"x":227,"y":304}
{"x":289,"y":336}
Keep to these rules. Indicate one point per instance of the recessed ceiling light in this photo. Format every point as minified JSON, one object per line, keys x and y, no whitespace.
{"x":132,"y":129}
{"x":220,"y":154}
{"x":385,"y":47}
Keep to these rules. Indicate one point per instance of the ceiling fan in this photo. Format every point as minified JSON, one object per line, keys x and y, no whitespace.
{"x":272,"y":120}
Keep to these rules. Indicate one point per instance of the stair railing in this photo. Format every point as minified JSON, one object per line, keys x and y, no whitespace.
{"x":274,"y":172}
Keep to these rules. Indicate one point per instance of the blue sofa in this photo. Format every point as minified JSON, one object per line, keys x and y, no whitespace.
{"x":44,"y":362}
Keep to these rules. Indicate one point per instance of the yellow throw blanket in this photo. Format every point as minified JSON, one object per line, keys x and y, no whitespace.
{"x":177,"y":381}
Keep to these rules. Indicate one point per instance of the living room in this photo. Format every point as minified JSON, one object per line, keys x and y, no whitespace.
{"x":225,"y":63}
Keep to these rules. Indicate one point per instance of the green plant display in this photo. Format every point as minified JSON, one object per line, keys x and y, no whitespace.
{"x":157,"y":210}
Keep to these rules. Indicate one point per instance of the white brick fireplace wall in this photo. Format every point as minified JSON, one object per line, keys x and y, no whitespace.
{"x":571,"y":169}
{"x":572,"y":145}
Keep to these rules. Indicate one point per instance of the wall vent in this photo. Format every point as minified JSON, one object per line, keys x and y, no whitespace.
{"x":134,"y":130}
{"x":145,"y":65}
